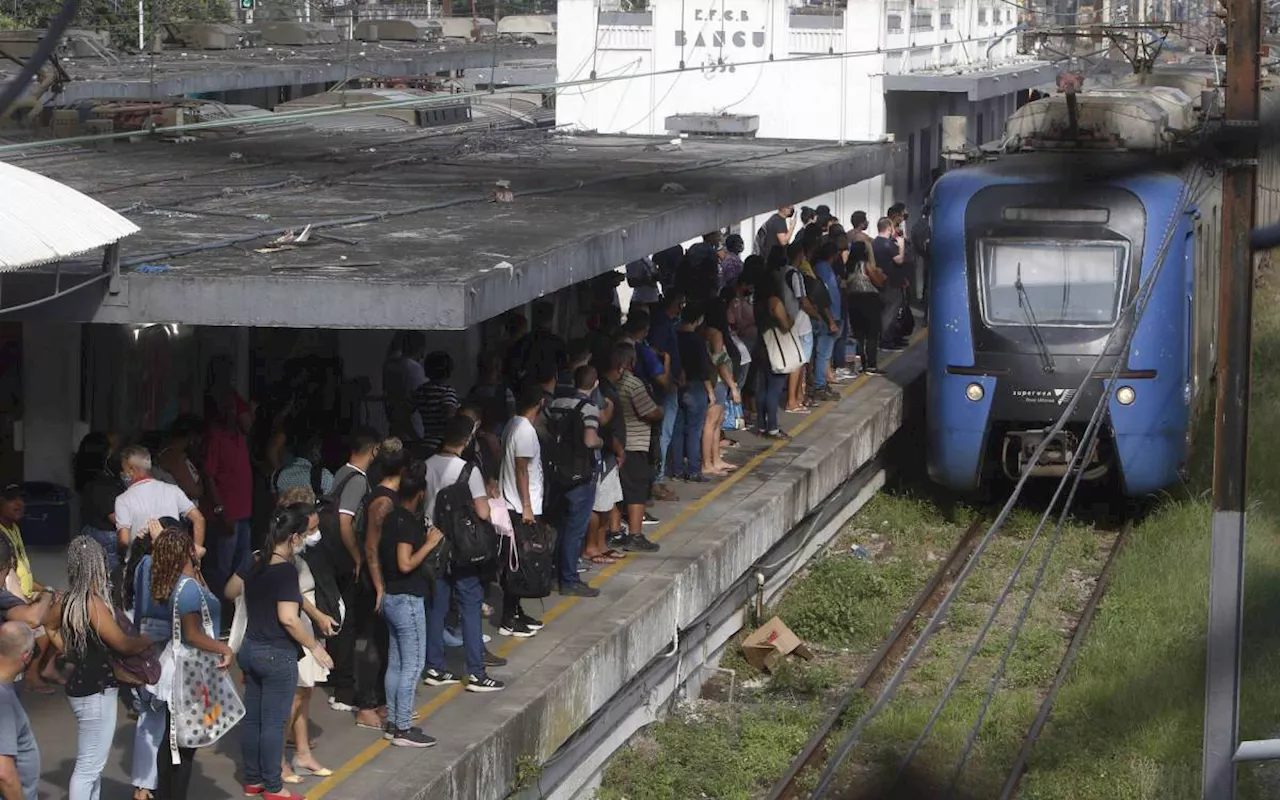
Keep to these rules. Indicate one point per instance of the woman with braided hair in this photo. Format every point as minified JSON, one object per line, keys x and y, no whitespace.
{"x":82,"y":625}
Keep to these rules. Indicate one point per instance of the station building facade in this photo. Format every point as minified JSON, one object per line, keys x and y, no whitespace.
{"x":874,"y":70}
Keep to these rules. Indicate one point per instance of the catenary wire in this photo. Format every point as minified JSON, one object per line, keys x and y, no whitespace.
{"x":1185,"y":193}
{"x":890,"y":689}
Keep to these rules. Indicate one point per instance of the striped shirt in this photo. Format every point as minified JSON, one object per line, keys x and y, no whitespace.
{"x":637,"y":403}
{"x":436,"y":403}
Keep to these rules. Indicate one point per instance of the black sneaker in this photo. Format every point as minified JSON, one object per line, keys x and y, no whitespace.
{"x":529,"y":622}
{"x":490,"y":660}
{"x":578,"y":589}
{"x":434,"y":677}
{"x":650,"y":519}
{"x":516,"y":628}
{"x":614,"y":539}
{"x":483,"y":683}
{"x":637,"y":543}
{"x":412,"y":738}
{"x":389,"y":731}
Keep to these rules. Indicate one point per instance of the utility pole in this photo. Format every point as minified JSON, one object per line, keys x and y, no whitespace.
{"x":1231,"y":432}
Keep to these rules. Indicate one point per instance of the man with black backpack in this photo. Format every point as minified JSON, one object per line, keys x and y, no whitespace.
{"x":341,"y":526}
{"x":572,"y":456}
{"x":457,"y":503}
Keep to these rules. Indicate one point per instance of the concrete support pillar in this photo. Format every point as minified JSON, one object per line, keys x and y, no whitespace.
{"x":51,"y":400}
{"x":243,"y":361}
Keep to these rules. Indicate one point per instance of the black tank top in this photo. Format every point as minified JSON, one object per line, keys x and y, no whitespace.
{"x":377,"y":493}
{"x":93,"y":673}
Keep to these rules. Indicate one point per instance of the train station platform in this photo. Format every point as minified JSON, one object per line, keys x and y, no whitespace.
{"x":590,"y":648}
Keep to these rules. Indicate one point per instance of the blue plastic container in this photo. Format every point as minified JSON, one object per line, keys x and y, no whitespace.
{"x":47,"y":522}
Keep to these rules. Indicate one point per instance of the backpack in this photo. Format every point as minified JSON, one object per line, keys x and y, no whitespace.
{"x":567,"y":461}
{"x":528,"y":570}
{"x":317,"y":480}
{"x":472,"y":541}
{"x":816,"y":290}
{"x":331,"y":530}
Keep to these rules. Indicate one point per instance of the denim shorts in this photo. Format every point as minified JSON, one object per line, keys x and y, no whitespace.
{"x":806,"y":347}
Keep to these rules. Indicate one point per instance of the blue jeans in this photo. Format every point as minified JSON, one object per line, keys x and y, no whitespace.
{"x":109,"y":541}
{"x":823,"y":343}
{"x":152,"y":714}
{"x":407,"y":622}
{"x":840,"y":353}
{"x":270,"y":679}
{"x":96,"y":727}
{"x":769,"y":398}
{"x":470,"y":596}
{"x":231,"y":554}
{"x":670,"y":411}
{"x":573,"y":528}
{"x":686,"y":449}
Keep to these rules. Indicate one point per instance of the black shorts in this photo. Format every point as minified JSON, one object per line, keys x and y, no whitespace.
{"x":635,"y":475}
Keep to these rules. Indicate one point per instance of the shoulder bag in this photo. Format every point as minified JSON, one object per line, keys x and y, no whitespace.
{"x":783,"y":349}
{"x":202,"y":699}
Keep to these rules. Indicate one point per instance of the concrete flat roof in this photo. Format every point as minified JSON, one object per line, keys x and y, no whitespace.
{"x":418,"y":242}
{"x":192,"y":71}
{"x":977,"y":84}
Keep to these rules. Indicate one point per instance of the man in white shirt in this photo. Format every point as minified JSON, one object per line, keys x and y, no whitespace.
{"x":521,"y":483}
{"x":445,"y":469}
{"x":147,"y":499}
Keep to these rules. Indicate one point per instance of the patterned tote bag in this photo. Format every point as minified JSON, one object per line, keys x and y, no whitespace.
{"x":203,"y":703}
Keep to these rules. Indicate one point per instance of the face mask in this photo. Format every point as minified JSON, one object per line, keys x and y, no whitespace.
{"x":311,"y":539}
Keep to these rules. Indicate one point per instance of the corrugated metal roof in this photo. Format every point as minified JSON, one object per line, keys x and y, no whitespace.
{"x":42,"y":221}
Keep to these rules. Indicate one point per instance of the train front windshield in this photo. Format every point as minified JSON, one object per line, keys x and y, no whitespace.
{"x":1061,"y":283}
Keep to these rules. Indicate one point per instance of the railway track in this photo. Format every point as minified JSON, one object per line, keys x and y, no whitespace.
{"x":903,"y":635}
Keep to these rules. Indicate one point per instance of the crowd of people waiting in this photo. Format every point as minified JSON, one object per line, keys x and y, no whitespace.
{"x":544,"y":471}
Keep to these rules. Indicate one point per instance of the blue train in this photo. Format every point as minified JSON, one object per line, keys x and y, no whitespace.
{"x":1039,"y":252}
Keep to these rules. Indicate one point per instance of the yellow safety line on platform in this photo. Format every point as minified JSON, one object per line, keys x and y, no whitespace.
{"x":559,"y":609}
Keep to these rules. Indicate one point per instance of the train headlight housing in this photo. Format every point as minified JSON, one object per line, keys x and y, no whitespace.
{"x":974,"y":392}
{"x":1125,"y":395}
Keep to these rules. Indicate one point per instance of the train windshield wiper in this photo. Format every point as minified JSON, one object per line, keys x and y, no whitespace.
{"x":1024,"y":302}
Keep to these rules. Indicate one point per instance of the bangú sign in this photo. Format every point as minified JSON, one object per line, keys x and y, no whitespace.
{"x":732,"y":28}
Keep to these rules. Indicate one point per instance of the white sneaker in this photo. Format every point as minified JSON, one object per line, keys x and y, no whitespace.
{"x":336,"y":706}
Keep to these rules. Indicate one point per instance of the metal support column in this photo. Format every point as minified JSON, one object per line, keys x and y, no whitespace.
{"x":1226,"y":582}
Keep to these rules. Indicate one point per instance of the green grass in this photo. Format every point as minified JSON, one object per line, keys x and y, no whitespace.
{"x":842,"y":607}
{"x":1128,"y":723}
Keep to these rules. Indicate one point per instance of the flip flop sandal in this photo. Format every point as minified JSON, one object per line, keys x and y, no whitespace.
{"x":617,"y":555}
{"x":603,"y":559}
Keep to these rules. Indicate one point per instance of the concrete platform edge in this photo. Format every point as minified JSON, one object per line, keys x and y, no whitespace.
{"x":568,"y":685}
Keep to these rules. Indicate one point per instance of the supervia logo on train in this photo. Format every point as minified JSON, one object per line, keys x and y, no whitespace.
{"x":722,"y":27}
{"x":1051,"y":396}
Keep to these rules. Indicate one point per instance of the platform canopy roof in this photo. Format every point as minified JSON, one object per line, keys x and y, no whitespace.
{"x":43,"y":221}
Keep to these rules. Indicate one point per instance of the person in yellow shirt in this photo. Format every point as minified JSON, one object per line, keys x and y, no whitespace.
{"x":22,"y":583}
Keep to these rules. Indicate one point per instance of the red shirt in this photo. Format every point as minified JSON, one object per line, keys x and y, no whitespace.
{"x":226,"y":462}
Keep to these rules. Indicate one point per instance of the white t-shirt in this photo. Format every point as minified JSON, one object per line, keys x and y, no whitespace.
{"x":443,"y":470}
{"x":147,"y":500}
{"x":520,"y":440}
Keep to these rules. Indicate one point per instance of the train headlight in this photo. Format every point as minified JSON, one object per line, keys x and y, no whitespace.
{"x":1125,"y":395}
{"x":974,"y":392}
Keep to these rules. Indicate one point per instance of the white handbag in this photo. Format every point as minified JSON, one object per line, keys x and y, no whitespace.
{"x":239,"y":623}
{"x":783,"y":349}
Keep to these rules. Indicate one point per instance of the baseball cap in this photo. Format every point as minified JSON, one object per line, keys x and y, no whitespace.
{"x":11,"y":491}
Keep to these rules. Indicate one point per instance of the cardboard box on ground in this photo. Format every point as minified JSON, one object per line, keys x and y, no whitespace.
{"x":771,"y":643}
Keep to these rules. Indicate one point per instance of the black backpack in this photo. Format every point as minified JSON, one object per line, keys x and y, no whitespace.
{"x":472,"y":541}
{"x":567,"y":461}
{"x":529,"y":563}
{"x":331,"y":530}
{"x":816,"y":290}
